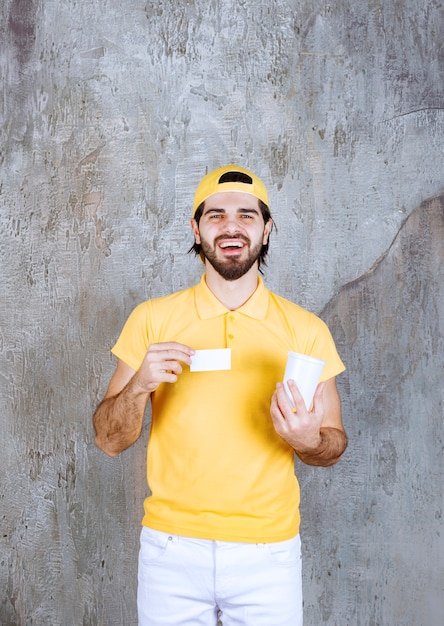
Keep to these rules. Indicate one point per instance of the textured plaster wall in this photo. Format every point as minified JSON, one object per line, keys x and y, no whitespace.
{"x":110,"y":113}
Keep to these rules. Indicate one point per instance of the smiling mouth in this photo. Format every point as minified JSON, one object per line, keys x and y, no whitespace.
{"x":234,"y":244}
{"x":231,"y":245}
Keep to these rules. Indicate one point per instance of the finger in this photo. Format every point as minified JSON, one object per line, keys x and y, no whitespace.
{"x":275,"y":411}
{"x":284,"y":402}
{"x":172,"y":345}
{"x":169,"y":353}
{"x":318,"y":396}
{"x":282,"y":415}
{"x":168,"y":366}
{"x":299,"y":405}
{"x":277,"y":417}
{"x":167,"y":376}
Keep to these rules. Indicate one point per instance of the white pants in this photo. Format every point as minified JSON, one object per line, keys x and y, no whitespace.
{"x":189,"y":582}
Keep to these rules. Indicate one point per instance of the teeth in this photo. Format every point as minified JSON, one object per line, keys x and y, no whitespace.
{"x":230,"y":245}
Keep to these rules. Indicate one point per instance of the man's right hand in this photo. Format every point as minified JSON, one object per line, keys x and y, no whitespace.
{"x":162,"y":364}
{"x":119,"y":417}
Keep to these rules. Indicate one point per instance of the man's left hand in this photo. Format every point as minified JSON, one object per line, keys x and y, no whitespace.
{"x":299,"y":427}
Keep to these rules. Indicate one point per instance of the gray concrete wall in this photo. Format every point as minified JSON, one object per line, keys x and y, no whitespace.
{"x":110,"y":113}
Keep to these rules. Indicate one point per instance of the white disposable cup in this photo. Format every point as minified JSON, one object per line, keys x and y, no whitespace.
{"x":306,"y":372}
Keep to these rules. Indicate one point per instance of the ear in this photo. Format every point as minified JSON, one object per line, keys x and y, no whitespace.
{"x":195,"y":229}
{"x":267,"y":231}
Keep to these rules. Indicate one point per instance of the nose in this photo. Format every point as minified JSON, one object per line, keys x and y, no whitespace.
{"x":231,"y":224}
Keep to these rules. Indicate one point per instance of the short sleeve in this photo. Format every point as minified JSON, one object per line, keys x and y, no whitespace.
{"x":133,"y":342}
{"x":322,"y":346}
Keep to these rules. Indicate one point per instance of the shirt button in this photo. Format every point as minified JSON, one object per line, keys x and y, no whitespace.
{"x":230,"y":336}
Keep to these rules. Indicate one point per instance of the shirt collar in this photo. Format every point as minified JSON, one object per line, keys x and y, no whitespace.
{"x":209,"y":306}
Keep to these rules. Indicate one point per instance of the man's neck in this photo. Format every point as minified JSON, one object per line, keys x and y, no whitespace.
{"x":232,"y":293}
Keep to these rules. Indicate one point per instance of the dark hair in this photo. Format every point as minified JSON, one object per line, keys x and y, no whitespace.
{"x":197,"y":249}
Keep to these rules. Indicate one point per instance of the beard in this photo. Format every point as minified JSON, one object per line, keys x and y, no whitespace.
{"x":232,"y":267}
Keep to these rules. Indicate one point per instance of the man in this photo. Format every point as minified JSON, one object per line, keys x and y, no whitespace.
{"x":221,"y":527}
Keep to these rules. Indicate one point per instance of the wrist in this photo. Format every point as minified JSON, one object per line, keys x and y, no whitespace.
{"x":332,"y":444}
{"x":137,"y":389}
{"x":311,"y":448}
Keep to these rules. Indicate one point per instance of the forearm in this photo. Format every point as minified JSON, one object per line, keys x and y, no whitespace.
{"x":118,"y":419}
{"x":333,"y":443}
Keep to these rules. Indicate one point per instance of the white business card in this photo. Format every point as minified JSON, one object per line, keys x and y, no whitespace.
{"x":211,"y":360}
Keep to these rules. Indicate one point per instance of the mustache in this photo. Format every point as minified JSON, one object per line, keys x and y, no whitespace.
{"x":225,"y":237}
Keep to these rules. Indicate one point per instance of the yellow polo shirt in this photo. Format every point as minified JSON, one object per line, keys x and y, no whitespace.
{"x":215,"y":465}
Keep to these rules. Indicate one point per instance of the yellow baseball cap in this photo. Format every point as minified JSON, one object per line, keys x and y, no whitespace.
{"x":229,"y":178}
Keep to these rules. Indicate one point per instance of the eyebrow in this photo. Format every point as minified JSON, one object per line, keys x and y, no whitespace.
{"x":240,"y":210}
